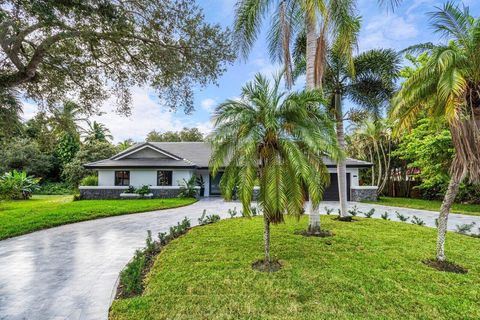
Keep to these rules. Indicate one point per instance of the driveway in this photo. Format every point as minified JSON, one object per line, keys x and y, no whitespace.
{"x":70,"y":272}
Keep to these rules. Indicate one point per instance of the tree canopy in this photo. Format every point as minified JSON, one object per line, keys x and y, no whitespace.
{"x":92,"y":49}
{"x":186,"y":134}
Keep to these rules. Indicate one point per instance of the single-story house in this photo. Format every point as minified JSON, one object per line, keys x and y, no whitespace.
{"x":164,"y":166}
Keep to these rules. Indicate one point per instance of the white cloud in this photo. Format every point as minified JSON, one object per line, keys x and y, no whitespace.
{"x":387,"y":30}
{"x":208,"y":104}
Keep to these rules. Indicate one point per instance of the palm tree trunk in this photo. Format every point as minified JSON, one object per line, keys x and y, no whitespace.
{"x":447,"y":203}
{"x":314,"y":215}
{"x":341,"y":165}
{"x":311,"y":52}
{"x":266,"y":238}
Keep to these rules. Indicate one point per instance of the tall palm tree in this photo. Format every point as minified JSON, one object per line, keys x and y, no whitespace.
{"x":279,"y":139}
{"x":67,"y":117}
{"x":97,"y":132}
{"x":448,"y":87}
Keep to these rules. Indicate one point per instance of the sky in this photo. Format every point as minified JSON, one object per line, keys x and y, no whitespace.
{"x":381,"y":28}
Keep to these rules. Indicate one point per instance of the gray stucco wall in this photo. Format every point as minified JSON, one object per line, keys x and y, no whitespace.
{"x":364,"y":193}
{"x":98,"y":193}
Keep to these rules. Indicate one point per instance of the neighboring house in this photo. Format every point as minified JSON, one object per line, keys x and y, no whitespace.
{"x":165,"y":165}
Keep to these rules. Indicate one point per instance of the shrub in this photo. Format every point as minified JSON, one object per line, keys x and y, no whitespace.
{"x":354,"y":211}
{"x":204,"y":219}
{"x":369,"y":213}
{"x":401,"y":217}
{"x":329,"y":210}
{"x":418,"y":221}
{"x":17,"y":185}
{"x":91,"y":180}
{"x":131,"y":277}
{"x":56,"y":188}
{"x":233,"y":212}
{"x":144,"y":190}
{"x":187,"y":189}
{"x":385,"y":216}
{"x":465,"y":228}
{"x":130,"y":189}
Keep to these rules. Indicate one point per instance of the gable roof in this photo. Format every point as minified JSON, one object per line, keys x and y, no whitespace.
{"x":180,"y":155}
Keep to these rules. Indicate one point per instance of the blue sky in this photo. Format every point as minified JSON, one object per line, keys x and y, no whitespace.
{"x":380,"y":29}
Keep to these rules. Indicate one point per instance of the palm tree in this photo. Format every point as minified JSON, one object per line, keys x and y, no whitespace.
{"x":125,"y":144}
{"x":10,"y":111}
{"x":448,"y":87}
{"x":67,"y":117}
{"x":279,"y":139}
{"x":97,"y":132}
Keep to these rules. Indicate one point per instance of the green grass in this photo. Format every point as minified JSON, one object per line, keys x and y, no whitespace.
{"x":432,"y":205}
{"x":41,"y":212}
{"x":370,"y":269}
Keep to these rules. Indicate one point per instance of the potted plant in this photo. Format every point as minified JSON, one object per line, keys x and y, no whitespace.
{"x":201,"y":184}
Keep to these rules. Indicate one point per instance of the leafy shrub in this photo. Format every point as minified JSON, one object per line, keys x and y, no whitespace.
{"x":401,"y":217}
{"x":385,"y":216}
{"x":17,"y":185}
{"x":187,"y":189}
{"x":369,"y":213}
{"x":204,"y":219}
{"x":131,"y":277}
{"x":465,"y":228}
{"x":418,"y":221}
{"x":329,"y":210}
{"x":56,"y":188}
{"x":233,"y":212}
{"x":91,"y":180}
{"x":143,"y":190}
{"x":130,"y":189}
{"x":354,"y":211}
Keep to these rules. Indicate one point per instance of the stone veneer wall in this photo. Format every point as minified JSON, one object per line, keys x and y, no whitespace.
{"x":364,"y":193}
{"x":98,"y":193}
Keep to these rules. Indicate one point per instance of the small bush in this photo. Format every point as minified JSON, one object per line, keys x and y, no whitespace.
{"x":144,"y":190}
{"x":131,"y":189}
{"x":401,"y":217}
{"x":131,"y":277}
{"x":418,"y":221}
{"x":328,"y":210}
{"x":54,"y":188}
{"x":233,"y":213}
{"x":465,"y":228}
{"x":204,"y":219}
{"x":16,"y":185}
{"x":354,"y":211}
{"x":385,"y":216}
{"x":187,"y":189}
{"x":91,"y":180}
{"x":369,"y":213}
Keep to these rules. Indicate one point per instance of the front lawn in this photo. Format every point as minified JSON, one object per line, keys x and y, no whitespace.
{"x":432,"y":205}
{"x":41,"y":212}
{"x":370,"y":269}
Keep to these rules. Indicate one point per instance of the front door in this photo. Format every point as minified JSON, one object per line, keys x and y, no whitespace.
{"x":215,"y":184}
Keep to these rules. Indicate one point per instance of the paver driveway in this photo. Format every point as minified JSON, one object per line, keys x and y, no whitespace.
{"x":69,"y":272}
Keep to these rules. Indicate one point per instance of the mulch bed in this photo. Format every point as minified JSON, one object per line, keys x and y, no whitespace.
{"x":266,"y":266}
{"x":445,"y":266}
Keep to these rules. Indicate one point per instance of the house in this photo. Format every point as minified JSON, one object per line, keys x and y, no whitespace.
{"x":165,"y":165}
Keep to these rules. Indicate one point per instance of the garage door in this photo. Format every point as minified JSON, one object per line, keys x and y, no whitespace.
{"x":331,"y":193}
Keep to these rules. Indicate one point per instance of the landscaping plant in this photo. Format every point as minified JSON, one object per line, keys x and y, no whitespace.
{"x":278,"y":139}
{"x":465,"y":228}
{"x":208,"y":219}
{"x":446,"y":89}
{"x":369,"y":213}
{"x":401,"y":217}
{"x":187,"y":189}
{"x":417,"y":220}
{"x":385,"y":216}
{"x":17,"y":185}
{"x":91,"y":180}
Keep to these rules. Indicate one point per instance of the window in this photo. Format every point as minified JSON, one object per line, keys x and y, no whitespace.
{"x":164,"y":178}
{"x":122,"y":178}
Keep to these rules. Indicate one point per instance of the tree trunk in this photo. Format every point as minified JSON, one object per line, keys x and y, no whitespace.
{"x":341,"y":166}
{"x":311,"y":52}
{"x":447,"y":203}
{"x":314,"y":215}
{"x":266,"y":238}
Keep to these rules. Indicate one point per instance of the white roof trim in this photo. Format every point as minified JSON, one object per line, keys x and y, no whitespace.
{"x":144,"y":147}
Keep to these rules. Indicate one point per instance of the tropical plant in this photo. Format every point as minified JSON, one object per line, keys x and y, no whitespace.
{"x":185,"y":135}
{"x":465,"y":228}
{"x":401,"y":217}
{"x":143,"y":190}
{"x":91,"y":180}
{"x":97,"y":132}
{"x":208,"y":219}
{"x":17,"y":185}
{"x":188,"y":188}
{"x":277,"y":139}
{"x":125,"y":144}
{"x":369,"y":213}
{"x":385,"y":216}
{"x":418,"y":221}
{"x":446,"y":88}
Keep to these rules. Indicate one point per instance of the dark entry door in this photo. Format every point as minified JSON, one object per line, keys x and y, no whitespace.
{"x":331,"y":193}
{"x":215,"y":184}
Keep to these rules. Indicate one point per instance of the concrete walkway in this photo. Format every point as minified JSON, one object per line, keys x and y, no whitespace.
{"x":70,"y":272}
